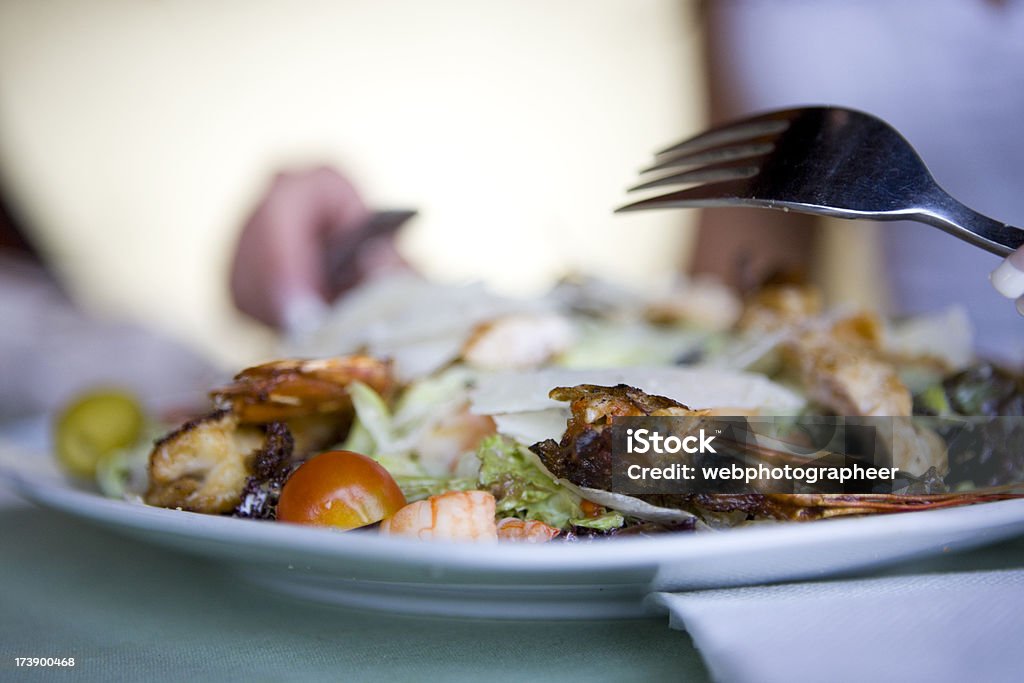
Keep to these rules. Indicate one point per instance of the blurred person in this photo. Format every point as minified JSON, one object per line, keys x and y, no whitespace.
{"x":134,"y":137}
{"x":278,"y":273}
{"x":948,"y":74}
{"x":50,"y":350}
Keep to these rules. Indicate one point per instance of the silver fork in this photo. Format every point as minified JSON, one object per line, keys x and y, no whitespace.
{"x":821,"y":160}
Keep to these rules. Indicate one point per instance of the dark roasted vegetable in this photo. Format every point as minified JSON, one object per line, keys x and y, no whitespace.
{"x":982,"y":453}
{"x":982,"y":389}
{"x":270,"y":468}
{"x":583,"y":456}
{"x":635,"y":527}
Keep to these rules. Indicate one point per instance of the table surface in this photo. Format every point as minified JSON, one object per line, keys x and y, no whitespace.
{"x":126,"y":610}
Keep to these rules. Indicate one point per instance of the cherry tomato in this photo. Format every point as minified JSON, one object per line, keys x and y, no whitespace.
{"x":339,"y":489}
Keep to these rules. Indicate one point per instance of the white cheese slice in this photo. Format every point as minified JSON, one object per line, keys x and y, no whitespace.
{"x":695,"y":387}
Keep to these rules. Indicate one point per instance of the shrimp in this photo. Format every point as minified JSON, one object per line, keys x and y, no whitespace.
{"x":525,"y":531}
{"x":286,"y":389}
{"x":288,"y":408}
{"x":801,"y":507}
{"x":453,"y":516}
{"x":451,"y":440}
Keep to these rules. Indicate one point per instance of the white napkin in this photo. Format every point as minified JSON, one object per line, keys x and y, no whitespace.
{"x":965,"y":626}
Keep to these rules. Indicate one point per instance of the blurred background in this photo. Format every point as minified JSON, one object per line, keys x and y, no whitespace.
{"x":137,"y":135}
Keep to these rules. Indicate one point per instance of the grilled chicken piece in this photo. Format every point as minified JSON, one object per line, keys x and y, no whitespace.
{"x":216,"y":465}
{"x":916,"y":449}
{"x":850,"y":383}
{"x":287,"y":389}
{"x":593,"y":404}
{"x":844,"y":367}
{"x":583,"y":456}
{"x":271,"y":417}
{"x":204,"y":465}
{"x":778,"y":306}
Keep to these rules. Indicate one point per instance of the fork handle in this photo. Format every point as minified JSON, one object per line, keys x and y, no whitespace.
{"x":964,"y":222}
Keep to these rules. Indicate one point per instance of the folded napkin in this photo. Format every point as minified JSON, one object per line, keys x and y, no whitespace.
{"x":960,"y":626}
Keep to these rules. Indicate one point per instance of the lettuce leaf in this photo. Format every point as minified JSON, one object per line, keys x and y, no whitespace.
{"x":509,"y":471}
{"x":373,"y":418}
{"x":421,"y":488}
{"x":124,"y":473}
{"x":390,"y":438}
{"x":373,"y":433}
{"x":604,"y":522}
{"x":521,"y":488}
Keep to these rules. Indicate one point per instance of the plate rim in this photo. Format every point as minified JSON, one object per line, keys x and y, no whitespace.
{"x":613,"y":554}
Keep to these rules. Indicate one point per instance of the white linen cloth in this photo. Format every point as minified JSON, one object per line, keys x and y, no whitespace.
{"x":961,"y":626}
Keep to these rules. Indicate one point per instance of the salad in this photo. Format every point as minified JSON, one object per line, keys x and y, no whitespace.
{"x":449,"y":413}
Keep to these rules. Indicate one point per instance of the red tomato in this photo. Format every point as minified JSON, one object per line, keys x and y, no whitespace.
{"x":339,"y":489}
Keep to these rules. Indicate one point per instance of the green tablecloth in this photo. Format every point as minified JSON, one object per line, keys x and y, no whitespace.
{"x":126,"y":610}
{"x":129,"y":611}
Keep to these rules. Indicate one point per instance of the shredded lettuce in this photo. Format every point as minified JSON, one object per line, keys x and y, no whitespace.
{"x":124,"y":473}
{"x":373,"y":434}
{"x":373,"y":417}
{"x":421,"y":488}
{"x":934,"y":401}
{"x":427,"y":397}
{"x":506,"y":469}
{"x":604,"y":522}
{"x":619,"y":343}
{"x":358,"y":439}
{"x":390,"y":438}
{"x":521,"y":488}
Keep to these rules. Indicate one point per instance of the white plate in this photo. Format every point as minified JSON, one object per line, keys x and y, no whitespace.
{"x":555,"y":581}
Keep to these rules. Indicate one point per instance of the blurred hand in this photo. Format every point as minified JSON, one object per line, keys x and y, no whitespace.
{"x":278,"y":275}
{"x":1008,"y":278}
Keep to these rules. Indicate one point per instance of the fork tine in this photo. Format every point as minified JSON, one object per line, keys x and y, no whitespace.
{"x":726,"y":193}
{"x":769,"y":124}
{"x":729,"y":170}
{"x":719,"y":153}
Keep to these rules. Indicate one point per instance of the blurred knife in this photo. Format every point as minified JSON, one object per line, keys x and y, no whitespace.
{"x":342,"y":253}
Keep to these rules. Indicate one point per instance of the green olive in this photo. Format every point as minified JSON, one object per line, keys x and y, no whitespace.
{"x":94,"y":425}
